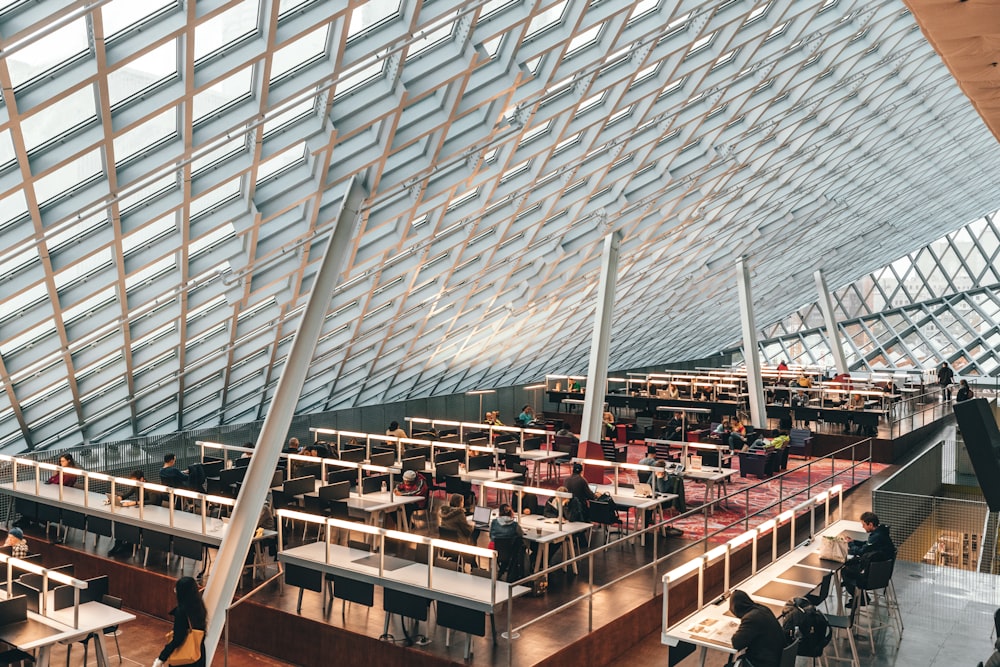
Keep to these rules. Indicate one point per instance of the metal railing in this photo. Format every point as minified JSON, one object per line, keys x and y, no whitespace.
{"x":850,"y":452}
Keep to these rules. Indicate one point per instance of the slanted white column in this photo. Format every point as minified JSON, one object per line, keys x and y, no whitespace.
{"x":832,"y":334}
{"x":758,"y":409}
{"x":597,"y":369}
{"x":239,"y":534}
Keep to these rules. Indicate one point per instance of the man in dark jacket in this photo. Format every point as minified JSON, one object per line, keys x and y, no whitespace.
{"x":579,"y":487}
{"x":878,"y":547}
{"x":759,"y":634}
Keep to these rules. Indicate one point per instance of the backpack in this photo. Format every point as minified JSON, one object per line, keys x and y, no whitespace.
{"x":802,"y":618}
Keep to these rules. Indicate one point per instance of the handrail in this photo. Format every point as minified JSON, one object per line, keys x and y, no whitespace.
{"x":702,"y":543}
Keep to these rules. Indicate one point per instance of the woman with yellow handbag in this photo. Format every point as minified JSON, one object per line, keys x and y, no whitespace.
{"x":186,"y":642}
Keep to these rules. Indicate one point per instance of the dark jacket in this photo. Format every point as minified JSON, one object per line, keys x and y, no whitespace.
{"x":453,"y":518}
{"x":504,"y":527}
{"x":877,"y":547}
{"x":580,"y":489}
{"x":572,"y":511}
{"x":759,"y":632}
{"x":173,"y":476}
{"x":994,"y":660}
{"x":181,"y":624}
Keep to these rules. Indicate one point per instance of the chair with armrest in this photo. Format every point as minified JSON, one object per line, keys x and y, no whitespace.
{"x":755,"y":463}
{"x":800,"y":442}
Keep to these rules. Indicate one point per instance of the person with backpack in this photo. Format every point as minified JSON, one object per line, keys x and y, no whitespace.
{"x":944,"y":377}
{"x":759,"y":636}
{"x":801,"y":618}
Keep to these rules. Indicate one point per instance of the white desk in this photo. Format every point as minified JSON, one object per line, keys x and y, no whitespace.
{"x":93,"y":618}
{"x":545,"y":532}
{"x":458,"y":588}
{"x":713,"y":626}
{"x":537,"y":458}
{"x":711,"y":477}
{"x":626,"y":498}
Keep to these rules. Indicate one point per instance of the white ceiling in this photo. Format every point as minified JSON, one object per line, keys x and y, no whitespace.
{"x":169,"y":172}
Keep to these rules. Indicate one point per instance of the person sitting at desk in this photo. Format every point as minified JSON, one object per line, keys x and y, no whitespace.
{"x":308,"y":468}
{"x":395,"y":431}
{"x":170,"y":475}
{"x":672,"y":392}
{"x":804,"y":381}
{"x":698,"y":393}
{"x":526,"y":417}
{"x":564,"y":432}
{"x":648,"y":460}
{"x":609,"y":424}
{"x":452,"y":517}
{"x":413,"y":484}
{"x":571,"y":508}
{"x":664,"y":483}
{"x":878,"y":547}
{"x":505,"y":526}
{"x":18,"y":545}
{"x":759,"y":636}
{"x":292,"y":447}
{"x":496,"y":419}
{"x":674,"y":429}
{"x":130,"y":496}
{"x":579,"y":487}
{"x":68,"y":478}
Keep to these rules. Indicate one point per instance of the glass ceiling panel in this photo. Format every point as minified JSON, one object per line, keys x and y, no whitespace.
{"x":7,"y":154}
{"x":118,"y":15}
{"x":154,"y":130}
{"x":84,"y":168}
{"x":139,"y":74}
{"x":371,"y":14}
{"x":301,"y":51}
{"x":59,"y":116}
{"x":228,"y":27}
{"x":41,"y":54}
{"x":223,"y":93}
{"x":13,"y":206}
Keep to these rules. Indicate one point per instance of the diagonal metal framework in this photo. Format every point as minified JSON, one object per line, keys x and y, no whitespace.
{"x":923,"y":308}
{"x":169,"y":169}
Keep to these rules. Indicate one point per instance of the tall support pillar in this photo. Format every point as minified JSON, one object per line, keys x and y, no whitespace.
{"x":597,"y":369}
{"x":758,"y":409}
{"x":239,"y":533}
{"x":832,"y":334}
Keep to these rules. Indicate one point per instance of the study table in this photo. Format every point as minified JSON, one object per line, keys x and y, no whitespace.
{"x":794,"y":574}
{"x":626,"y":498}
{"x":204,"y":530}
{"x":57,"y":627}
{"x":547,"y":532}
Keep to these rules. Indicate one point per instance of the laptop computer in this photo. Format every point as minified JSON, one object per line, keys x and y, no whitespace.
{"x":481,"y":517}
{"x":643,"y":491}
{"x":593,"y":488}
{"x":118,"y":502}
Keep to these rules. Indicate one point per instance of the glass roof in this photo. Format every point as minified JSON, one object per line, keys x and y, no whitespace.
{"x":169,"y":172}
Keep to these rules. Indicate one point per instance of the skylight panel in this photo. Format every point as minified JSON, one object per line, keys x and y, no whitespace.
{"x":642,"y":8}
{"x":226,"y":28}
{"x":432,"y":38}
{"x":223,"y":93}
{"x":58,"y":117}
{"x":33,"y":335}
{"x":82,"y":269}
{"x":144,"y":194}
{"x":215,"y":197}
{"x":282,"y":160}
{"x":308,"y":48}
{"x":7,"y":154}
{"x":584,"y":39}
{"x":13,"y":206}
{"x":701,"y":44}
{"x":757,"y":14}
{"x":154,"y":130}
{"x":143,"y":72}
{"x":120,"y":15}
{"x":47,"y":52}
{"x":69,"y":176}
{"x":358,"y":76}
{"x":550,"y":17}
{"x":288,"y":116}
{"x":74,"y":231}
{"x":371,"y":14}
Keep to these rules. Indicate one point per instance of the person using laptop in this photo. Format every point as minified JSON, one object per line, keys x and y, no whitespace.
{"x":505,"y":525}
{"x":170,"y":474}
{"x":663,"y":483}
{"x":579,"y":487}
{"x":648,"y":460}
{"x":452,"y":517}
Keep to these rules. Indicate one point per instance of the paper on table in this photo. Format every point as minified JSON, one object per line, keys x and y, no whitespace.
{"x":717,"y":629}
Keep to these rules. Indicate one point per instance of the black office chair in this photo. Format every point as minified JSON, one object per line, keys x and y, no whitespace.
{"x":605,"y":514}
{"x":16,"y":656}
{"x":511,"y":558}
{"x":821,"y":596}
{"x":789,"y":653}
{"x":877,"y":580}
